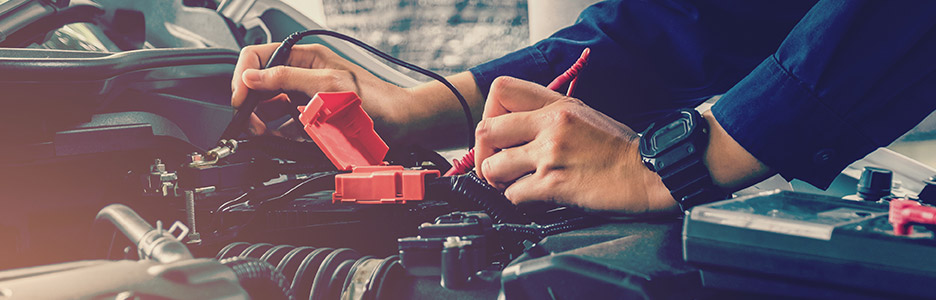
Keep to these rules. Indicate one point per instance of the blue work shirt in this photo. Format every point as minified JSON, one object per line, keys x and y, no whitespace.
{"x":809,"y":86}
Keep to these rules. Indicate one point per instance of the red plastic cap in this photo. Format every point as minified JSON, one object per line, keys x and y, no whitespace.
{"x":905,"y":213}
{"x":382,"y":184}
{"x":341,"y":128}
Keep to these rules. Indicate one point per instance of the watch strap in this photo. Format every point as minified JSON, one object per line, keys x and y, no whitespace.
{"x":690,"y":183}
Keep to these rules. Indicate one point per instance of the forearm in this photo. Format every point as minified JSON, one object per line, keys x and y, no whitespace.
{"x":729,"y":164}
{"x":433,"y":116}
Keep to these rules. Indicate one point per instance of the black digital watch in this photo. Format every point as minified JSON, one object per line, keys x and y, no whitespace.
{"x":673,"y":146}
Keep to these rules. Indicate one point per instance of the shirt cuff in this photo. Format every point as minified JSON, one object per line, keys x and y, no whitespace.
{"x":527,"y":63}
{"x":780,"y":120}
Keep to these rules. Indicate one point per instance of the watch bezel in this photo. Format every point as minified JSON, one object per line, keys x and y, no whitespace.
{"x":656,"y":158}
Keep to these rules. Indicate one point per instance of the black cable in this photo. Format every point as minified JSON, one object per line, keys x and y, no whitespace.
{"x":297,"y":187}
{"x":282,"y":53}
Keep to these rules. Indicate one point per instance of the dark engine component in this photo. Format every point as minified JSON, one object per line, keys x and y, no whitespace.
{"x":325,"y":273}
{"x":260,"y":279}
{"x":477,"y":194}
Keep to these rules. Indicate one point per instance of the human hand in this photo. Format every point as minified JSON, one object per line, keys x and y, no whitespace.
{"x":536,"y":144}
{"x":311,"y":69}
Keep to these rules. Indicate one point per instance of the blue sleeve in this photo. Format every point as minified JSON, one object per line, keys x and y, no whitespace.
{"x":850,"y":77}
{"x":650,"y":57}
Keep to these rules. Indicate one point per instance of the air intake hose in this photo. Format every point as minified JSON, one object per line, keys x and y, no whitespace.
{"x":260,"y":279}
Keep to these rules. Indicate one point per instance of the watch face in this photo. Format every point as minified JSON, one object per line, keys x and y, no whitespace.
{"x":672,"y":132}
{"x":669,"y":135}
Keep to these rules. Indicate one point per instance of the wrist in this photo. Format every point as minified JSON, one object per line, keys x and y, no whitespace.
{"x":730,"y":165}
{"x":431,"y":115}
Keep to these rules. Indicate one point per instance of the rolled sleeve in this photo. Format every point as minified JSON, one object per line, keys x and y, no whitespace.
{"x":651,"y":57}
{"x":852,"y":76}
{"x":788,"y":127}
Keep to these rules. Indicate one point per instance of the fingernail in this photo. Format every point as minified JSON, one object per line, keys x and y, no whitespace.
{"x":252,"y":76}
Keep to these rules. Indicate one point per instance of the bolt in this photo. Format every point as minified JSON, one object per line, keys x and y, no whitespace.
{"x":190,"y":209}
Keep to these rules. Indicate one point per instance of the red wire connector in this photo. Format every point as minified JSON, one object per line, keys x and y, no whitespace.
{"x":382,"y":185}
{"x":345,"y":133}
{"x":905,"y":213}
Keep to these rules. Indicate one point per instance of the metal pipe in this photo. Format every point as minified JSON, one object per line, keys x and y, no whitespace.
{"x":152,"y":242}
{"x":126,"y":220}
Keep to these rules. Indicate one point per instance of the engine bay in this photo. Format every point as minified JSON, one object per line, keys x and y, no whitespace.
{"x":119,"y":181}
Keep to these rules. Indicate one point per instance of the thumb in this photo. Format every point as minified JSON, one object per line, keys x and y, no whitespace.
{"x":308,"y":81}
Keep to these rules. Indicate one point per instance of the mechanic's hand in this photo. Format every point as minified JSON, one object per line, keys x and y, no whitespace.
{"x":311,"y":69}
{"x":540,"y":145}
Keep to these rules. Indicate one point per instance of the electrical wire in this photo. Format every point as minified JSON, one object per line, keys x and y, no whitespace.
{"x":297,"y":187}
{"x":281,"y":54}
{"x":225,"y":206}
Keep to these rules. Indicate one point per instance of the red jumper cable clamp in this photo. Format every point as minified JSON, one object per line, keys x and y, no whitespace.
{"x":904,"y":213}
{"x":345,"y":133}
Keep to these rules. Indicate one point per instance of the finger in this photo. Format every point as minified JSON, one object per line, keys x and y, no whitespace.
{"x":531,"y":188}
{"x":508,"y":165}
{"x":256,"y":126}
{"x":493,"y":134}
{"x":510,"y":94}
{"x":292,"y":130}
{"x":251,"y":58}
{"x":510,"y":130}
{"x":307,"y":81}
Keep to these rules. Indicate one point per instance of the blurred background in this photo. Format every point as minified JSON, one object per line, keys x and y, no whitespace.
{"x":446,"y":36}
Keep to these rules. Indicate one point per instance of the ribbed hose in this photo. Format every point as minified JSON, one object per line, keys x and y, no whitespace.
{"x":260,"y":279}
{"x":469,"y":190}
{"x":319,"y":273}
{"x":537,"y":232}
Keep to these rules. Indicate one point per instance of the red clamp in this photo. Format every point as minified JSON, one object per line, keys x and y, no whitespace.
{"x":345,"y":133}
{"x":905,"y":213}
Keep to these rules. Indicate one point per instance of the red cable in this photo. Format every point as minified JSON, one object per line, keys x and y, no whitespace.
{"x":570,"y":76}
{"x":463,"y":165}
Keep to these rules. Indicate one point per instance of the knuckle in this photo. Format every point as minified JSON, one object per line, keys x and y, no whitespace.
{"x":278,"y":74}
{"x":564,"y":116}
{"x":553,"y":178}
{"x":246,"y":51}
{"x":483,"y":130}
{"x":553,"y":155}
{"x":502,"y":82}
{"x":487,"y":170}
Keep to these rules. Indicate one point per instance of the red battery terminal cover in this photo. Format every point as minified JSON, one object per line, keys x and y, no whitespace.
{"x":904,"y":213}
{"x":345,"y":133}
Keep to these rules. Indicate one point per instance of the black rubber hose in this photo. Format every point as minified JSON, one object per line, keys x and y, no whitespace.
{"x":323,"y":273}
{"x":260,"y":279}
{"x":474,"y":193}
